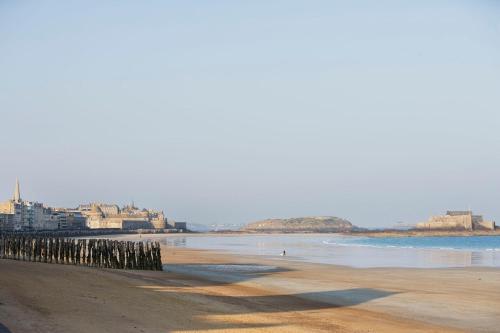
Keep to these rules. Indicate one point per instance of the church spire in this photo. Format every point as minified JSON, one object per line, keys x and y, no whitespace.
{"x":17,"y":192}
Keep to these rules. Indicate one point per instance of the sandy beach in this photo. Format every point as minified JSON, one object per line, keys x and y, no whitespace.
{"x":203,"y":291}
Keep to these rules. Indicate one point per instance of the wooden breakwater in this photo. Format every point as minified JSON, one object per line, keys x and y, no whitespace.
{"x":103,"y":253}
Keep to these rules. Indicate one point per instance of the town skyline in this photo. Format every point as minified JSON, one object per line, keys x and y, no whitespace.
{"x":19,"y":214}
{"x":16,"y":196}
{"x":123,"y":205}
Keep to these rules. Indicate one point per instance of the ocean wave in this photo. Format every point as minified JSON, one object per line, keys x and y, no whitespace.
{"x":419,"y":247}
{"x":368,"y":245}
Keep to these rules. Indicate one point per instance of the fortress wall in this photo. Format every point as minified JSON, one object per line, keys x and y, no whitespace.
{"x":453,"y":220}
{"x":447,"y":222}
{"x":107,"y":223}
{"x":158,"y":223}
{"x":490,"y":225}
{"x":477,"y":218}
{"x":92,"y":224}
{"x":130,"y":224}
{"x":441,"y":225}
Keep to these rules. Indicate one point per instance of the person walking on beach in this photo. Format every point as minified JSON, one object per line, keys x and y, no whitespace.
{"x":283,"y":253}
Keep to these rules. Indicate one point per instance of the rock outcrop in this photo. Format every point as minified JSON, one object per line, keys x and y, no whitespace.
{"x":301,"y":224}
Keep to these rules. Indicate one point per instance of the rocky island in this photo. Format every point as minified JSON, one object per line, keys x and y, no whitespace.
{"x":301,"y":224}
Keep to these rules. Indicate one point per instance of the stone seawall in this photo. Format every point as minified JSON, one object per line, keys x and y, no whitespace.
{"x":456,"y":222}
{"x":463,"y":222}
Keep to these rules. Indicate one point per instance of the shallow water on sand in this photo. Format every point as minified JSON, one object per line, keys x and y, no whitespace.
{"x":418,"y":252}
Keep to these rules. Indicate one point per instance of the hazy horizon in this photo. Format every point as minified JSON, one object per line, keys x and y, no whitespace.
{"x":232,"y":112}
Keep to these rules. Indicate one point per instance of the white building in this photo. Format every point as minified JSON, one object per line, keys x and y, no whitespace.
{"x":18,"y":214}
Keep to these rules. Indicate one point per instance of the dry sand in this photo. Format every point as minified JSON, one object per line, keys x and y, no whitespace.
{"x":200,"y":292}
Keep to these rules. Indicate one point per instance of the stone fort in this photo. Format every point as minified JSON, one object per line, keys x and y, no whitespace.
{"x":457,"y":220}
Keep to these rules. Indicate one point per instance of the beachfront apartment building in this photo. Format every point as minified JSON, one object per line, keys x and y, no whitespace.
{"x":19,"y":214}
{"x":6,"y":221}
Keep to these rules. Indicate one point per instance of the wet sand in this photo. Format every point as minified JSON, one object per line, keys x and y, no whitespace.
{"x":208,"y":291}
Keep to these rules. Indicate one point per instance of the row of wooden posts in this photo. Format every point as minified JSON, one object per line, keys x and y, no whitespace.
{"x":104,"y":253}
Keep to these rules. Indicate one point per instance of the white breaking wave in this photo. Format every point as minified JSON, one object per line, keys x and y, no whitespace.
{"x":368,"y":245}
{"x":423,"y":247}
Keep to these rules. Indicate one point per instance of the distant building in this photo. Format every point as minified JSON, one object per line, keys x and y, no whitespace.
{"x":180,"y":226}
{"x":75,"y":220}
{"x":62,"y":218}
{"x":18,"y":214}
{"x":457,"y":220}
{"x":104,"y":208}
{"x":22,"y":215}
{"x":106,"y":216}
{"x":53,"y":220}
{"x":6,"y":221}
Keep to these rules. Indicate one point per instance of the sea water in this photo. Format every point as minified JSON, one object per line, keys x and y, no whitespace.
{"x":363,"y":252}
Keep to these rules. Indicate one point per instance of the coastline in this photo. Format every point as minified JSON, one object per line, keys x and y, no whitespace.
{"x":210,"y":290}
{"x":425,"y":233}
{"x":367,"y":233}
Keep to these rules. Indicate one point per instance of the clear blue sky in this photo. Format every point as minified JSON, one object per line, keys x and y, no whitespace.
{"x":232,"y":111}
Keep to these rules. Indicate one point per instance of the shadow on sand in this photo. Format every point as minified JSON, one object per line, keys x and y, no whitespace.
{"x":185,"y":297}
{"x":291,"y":302}
{"x":218,"y":275}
